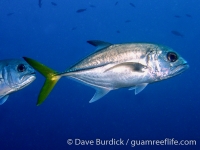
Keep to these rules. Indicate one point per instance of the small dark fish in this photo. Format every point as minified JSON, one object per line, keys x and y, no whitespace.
{"x":74,"y":28}
{"x":10,"y":14}
{"x":40,"y":3}
{"x":54,"y":4}
{"x":127,"y":21}
{"x":188,"y":15}
{"x":118,"y":31}
{"x":177,"y":33}
{"x":81,"y":10}
{"x":132,"y":4}
{"x":116,"y":3}
{"x":177,"y":16}
{"x":92,"y":6}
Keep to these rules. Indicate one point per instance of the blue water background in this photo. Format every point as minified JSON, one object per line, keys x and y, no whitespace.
{"x":57,"y":35}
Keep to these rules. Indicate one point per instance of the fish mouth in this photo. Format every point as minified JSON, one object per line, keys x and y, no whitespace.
{"x":180,"y":68}
{"x":29,"y":78}
{"x":33,"y":73}
{"x":30,"y":75}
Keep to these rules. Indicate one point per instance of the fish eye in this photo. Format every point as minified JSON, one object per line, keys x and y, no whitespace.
{"x":21,"y":68}
{"x":172,"y":57}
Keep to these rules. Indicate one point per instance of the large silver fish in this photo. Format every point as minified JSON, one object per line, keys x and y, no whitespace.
{"x":114,"y":66}
{"x":15,"y":74}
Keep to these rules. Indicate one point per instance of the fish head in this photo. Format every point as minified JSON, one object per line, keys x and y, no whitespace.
{"x":17,"y":74}
{"x":167,"y":63}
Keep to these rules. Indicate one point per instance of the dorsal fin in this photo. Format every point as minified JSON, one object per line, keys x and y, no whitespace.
{"x":99,"y":44}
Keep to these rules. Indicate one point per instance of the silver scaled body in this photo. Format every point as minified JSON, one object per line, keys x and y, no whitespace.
{"x":129,"y":65}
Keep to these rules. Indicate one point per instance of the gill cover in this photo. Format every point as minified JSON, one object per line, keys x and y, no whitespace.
{"x":49,"y":74}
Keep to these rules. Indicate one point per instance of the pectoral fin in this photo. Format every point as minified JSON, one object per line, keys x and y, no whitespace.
{"x":136,"y":67}
{"x":3,"y":99}
{"x":100,"y":92}
{"x":138,"y":88}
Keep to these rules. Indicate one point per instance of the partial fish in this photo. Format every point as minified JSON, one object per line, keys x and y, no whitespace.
{"x":15,"y":75}
{"x":115,"y":66}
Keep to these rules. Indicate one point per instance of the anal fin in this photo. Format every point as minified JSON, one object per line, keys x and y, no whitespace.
{"x":3,"y":99}
{"x":100,"y":92}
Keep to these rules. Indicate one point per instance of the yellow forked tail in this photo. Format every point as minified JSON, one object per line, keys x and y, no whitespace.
{"x":50,"y":75}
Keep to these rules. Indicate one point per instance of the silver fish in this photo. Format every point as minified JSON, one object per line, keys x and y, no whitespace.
{"x":114,"y":66}
{"x":15,"y":74}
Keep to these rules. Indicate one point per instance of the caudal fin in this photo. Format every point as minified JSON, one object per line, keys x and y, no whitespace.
{"x":50,"y":75}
